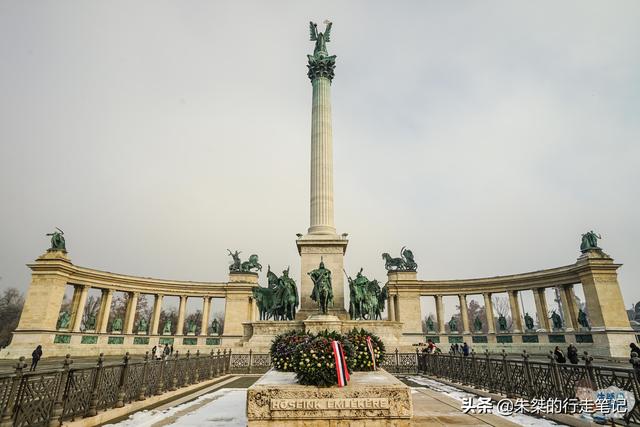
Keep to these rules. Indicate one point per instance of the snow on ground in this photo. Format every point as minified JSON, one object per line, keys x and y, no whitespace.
{"x":222,"y":408}
{"x":523,"y":420}
{"x":226,"y":407}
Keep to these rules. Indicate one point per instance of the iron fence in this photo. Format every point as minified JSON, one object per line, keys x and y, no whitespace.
{"x":46,"y":398}
{"x":533,"y":379}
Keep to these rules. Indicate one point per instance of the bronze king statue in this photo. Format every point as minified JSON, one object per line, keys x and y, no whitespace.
{"x":322,"y":290}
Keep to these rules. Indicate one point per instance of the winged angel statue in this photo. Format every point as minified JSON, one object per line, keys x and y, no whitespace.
{"x":321,"y":39}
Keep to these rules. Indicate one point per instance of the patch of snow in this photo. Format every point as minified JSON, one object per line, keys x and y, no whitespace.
{"x":225,"y":407}
{"x":521,"y":419}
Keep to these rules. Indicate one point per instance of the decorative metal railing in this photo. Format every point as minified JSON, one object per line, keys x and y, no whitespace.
{"x":532,"y":379}
{"x":46,"y":398}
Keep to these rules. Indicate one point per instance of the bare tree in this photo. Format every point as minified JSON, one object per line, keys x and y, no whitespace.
{"x":193,"y":317}
{"x":91,"y":309}
{"x":502,"y":308}
{"x":11,"y":303}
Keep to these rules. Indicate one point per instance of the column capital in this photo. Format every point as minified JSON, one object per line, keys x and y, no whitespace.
{"x":321,"y":66}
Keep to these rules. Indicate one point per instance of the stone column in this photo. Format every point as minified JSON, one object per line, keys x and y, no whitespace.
{"x":130,"y":315}
{"x":541,"y":309}
{"x":569,"y":309}
{"x":440,"y":314}
{"x":79,"y":308}
{"x":181,"y":310}
{"x":155,"y":320}
{"x":105,"y":309}
{"x":321,"y":158}
{"x":204,"y":326}
{"x":391,"y":305}
{"x":464,"y":314}
{"x":488,"y":309}
{"x":515,"y":311}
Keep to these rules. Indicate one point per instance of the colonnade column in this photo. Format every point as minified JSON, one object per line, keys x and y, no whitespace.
{"x":568,"y":301}
{"x":488,"y":309}
{"x":181,"y":310}
{"x":541,"y":308}
{"x":105,"y":308}
{"x":204,"y":326}
{"x":391,"y":314}
{"x":155,"y":320}
{"x":515,"y":311}
{"x":440,"y":314}
{"x":78,"y":309}
{"x":130,"y":315}
{"x":464,"y":313}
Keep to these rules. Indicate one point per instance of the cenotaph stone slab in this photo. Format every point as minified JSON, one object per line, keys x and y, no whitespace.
{"x":371,"y":398}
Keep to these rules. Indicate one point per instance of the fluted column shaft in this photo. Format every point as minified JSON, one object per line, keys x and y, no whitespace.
{"x":321,"y":221}
{"x":488,"y":308}
{"x":440,"y":314}
{"x":181,"y":311}
{"x":464,"y":314}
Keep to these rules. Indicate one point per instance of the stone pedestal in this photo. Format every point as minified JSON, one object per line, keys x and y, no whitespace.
{"x":371,"y":398}
{"x":331,"y":249}
{"x":320,"y":322}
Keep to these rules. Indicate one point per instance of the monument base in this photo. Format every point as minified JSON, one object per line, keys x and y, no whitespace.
{"x":371,"y":398}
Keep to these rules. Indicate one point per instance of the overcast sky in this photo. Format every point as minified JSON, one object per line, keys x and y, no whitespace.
{"x":485,"y":136}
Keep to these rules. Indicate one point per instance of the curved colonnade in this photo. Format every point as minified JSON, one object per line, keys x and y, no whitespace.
{"x":53,"y":272}
{"x":608,"y":332}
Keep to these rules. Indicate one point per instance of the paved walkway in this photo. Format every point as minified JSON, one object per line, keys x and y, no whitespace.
{"x":432,"y":408}
{"x":225,"y":405}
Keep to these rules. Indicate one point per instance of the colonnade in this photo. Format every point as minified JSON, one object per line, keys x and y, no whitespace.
{"x":567,"y":305}
{"x":608,"y":325}
{"x":53,"y":273}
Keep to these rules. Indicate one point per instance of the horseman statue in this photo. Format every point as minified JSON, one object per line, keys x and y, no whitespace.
{"x":366,"y":298}
{"x":405,"y":262}
{"x":243,"y":267}
{"x":279,"y":300}
{"x":322,"y":291}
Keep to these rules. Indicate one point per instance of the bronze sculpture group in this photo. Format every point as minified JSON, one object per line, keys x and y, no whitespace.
{"x":237,"y":266}
{"x":405,"y":262}
{"x":279,"y":300}
{"x":367,"y":298}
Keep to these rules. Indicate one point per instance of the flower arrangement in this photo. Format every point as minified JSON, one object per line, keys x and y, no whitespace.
{"x":311,"y":356}
{"x":362,"y":360}
{"x":283,"y":348}
{"x":314,"y":363}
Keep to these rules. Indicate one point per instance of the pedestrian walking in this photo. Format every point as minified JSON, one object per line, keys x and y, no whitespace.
{"x":35,"y":357}
{"x":559,"y":356}
{"x":572,"y":354}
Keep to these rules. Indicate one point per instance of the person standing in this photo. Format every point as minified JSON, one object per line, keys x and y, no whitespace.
{"x":153,"y":352}
{"x":572,"y":354}
{"x":35,"y":357}
{"x":465,"y":349}
{"x":559,"y":356}
{"x":171,"y":352}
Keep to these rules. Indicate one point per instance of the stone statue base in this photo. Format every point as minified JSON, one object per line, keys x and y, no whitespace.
{"x":116,"y":332}
{"x":142,"y":332}
{"x":191,"y":333}
{"x":371,"y":398}
{"x":166,"y":333}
